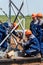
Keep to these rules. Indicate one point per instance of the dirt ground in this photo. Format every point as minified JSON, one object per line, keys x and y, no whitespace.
{"x":13,"y":45}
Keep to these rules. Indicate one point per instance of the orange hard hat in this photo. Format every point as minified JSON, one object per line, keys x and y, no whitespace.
{"x":28,"y":32}
{"x":39,"y":15}
{"x":33,"y":15}
{"x":14,"y":24}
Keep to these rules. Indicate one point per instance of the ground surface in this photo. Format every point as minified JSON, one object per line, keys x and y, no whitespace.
{"x":37,"y":63}
{"x":28,"y":19}
{"x":23,"y":64}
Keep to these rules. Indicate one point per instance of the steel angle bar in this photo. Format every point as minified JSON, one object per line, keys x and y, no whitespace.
{"x":22,"y":25}
{"x":13,"y":9}
{"x":19,"y":31}
{"x":15,"y":39}
{"x":9,"y":10}
{"x":10,"y":33}
{"x":18,"y":18}
{"x":17,"y":9}
{"x":13,"y":28}
{"x":23,"y":28}
{"x":3,"y":12}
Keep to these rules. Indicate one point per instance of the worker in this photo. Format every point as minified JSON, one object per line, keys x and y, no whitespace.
{"x":2,"y":36}
{"x":40,"y":31}
{"x":31,"y":46}
{"x":33,"y":24}
{"x":4,"y":30}
{"x":8,"y":25}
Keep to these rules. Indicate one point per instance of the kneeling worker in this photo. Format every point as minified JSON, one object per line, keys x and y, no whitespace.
{"x":31,"y":46}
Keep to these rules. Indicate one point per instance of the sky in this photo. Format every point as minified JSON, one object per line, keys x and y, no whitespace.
{"x":29,"y":7}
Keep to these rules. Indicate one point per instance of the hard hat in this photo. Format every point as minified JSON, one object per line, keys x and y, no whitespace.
{"x":33,"y":15}
{"x":28,"y":32}
{"x":39,"y":15}
{"x":14,"y":24}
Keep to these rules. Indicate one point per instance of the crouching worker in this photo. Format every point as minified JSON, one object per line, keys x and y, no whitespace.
{"x":10,"y":26}
{"x":4,"y":30}
{"x":31,"y":46}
